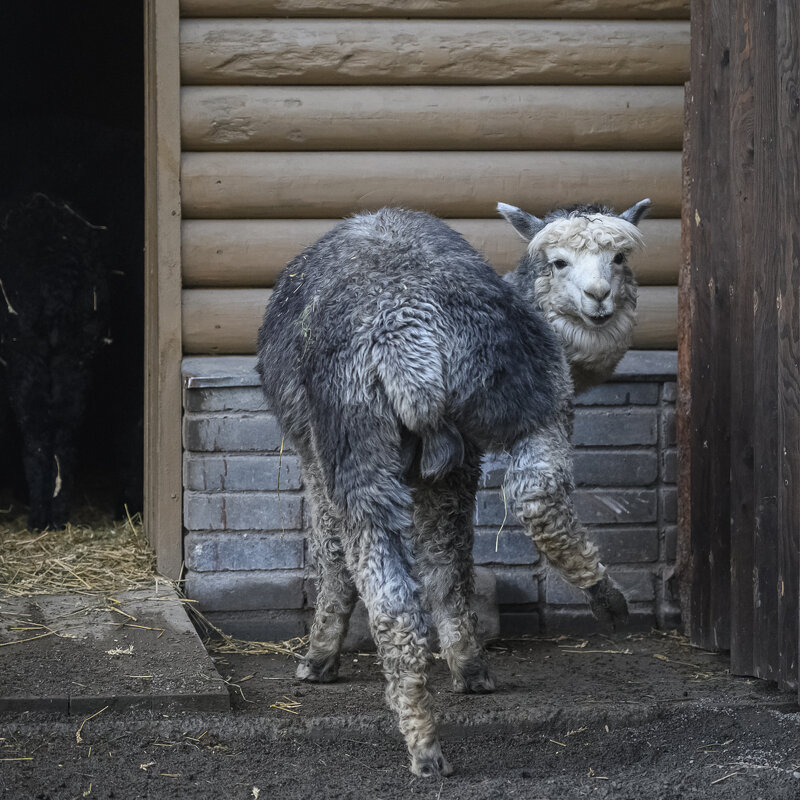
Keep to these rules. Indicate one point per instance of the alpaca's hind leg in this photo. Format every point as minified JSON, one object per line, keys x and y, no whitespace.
{"x":443,"y":538}
{"x":398,"y":628}
{"x":336,"y":592}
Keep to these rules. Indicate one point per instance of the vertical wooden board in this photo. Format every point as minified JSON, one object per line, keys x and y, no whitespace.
{"x":163,"y":501}
{"x":788,"y":226}
{"x":683,"y":406}
{"x":740,"y":289}
{"x":710,"y":357}
{"x":765,"y":344}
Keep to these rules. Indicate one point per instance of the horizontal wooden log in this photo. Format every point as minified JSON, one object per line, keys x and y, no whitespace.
{"x":226,"y":321}
{"x":239,"y":253}
{"x":432,"y":52}
{"x":427,"y":118}
{"x":447,"y":9}
{"x":449,"y":184}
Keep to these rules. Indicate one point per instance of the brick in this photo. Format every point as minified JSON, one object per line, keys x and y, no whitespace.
{"x":262,"y":626}
{"x":232,"y":433}
{"x":620,"y":394}
{"x":669,"y":466}
{"x":566,"y":620}
{"x":669,"y":505}
{"x":492,"y":511}
{"x":242,"y":512}
{"x":669,"y":392}
{"x":229,"y":473}
{"x":209,"y":552}
{"x":670,"y":542}
{"x":615,"y":467}
{"x":516,"y":586}
{"x":596,"y":427}
{"x":225,"y":399}
{"x":513,"y":547}
{"x":245,"y":591}
{"x":519,"y":623}
{"x":613,"y":506}
{"x":637,"y":586}
{"x":626,"y":545}
{"x":668,"y":434}
{"x":559,"y":592}
{"x":494,"y":470}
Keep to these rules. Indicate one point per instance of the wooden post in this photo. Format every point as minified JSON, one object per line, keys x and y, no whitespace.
{"x":162,"y":420}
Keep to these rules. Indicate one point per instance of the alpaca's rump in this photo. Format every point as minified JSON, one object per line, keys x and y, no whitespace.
{"x":394,"y":314}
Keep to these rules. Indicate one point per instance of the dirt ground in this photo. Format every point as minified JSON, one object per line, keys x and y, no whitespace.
{"x":623,"y":717}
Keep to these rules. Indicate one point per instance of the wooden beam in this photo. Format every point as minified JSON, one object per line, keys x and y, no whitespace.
{"x":163,"y":506}
{"x":447,"y":9}
{"x":251,"y":253}
{"x":787,"y":223}
{"x":468,"y":184}
{"x":428,"y":118}
{"x":226,"y":321}
{"x":369,"y":52}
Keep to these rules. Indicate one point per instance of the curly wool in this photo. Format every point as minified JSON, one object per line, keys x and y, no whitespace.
{"x":591,"y":233}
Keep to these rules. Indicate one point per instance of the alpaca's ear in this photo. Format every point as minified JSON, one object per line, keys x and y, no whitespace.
{"x":526,"y":225}
{"x":635,"y":213}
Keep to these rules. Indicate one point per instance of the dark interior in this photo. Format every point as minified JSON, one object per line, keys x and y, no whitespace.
{"x":73,"y":76}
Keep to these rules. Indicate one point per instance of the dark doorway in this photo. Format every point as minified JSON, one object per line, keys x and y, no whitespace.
{"x":73,"y":130}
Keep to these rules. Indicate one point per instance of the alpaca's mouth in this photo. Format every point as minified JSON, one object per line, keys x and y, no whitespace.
{"x":599,"y":319}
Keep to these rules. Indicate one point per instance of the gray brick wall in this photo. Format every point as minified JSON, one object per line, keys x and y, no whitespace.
{"x":245,"y":521}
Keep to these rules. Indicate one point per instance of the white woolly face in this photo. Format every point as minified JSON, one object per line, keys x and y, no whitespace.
{"x":588,"y":280}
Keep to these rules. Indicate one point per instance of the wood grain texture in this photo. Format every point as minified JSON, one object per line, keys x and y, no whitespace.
{"x":740,"y":289}
{"x":787,"y":224}
{"x":251,"y":253}
{"x":226,"y":321}
{"x":427,"y":118}
{"x":448,"y":9}
{"x":468,"y":184}
{"x":163,"y":505}
{"x":709,"y":216}
{"x":765,"y":255}
{"x":370,"y":52}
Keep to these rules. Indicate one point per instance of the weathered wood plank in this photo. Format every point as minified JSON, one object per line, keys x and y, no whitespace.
{"x":709,"y":216}
{"x":765,"y":257}
{"x":740,"y":289}
{"x":468,"y":184}
{"x":163,"y":507}
{"x":448,"y":9}
{"x":252,"y":252}
{"x":787,"y":226}
{"x":427,"y":118}
{"x":432,"y":52}
{"x":226,"y":321}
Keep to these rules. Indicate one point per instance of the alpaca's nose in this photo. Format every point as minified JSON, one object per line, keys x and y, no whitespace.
{"x":598,"y":291}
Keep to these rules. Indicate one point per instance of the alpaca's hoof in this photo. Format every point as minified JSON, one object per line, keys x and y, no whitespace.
{"x":314,"y":671}
{"x":431,"y":764}
{"x":608,"y":604}
{"x":476,"y":678}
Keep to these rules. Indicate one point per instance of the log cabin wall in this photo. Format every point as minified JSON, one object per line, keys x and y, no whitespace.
{"x":295,"y":113}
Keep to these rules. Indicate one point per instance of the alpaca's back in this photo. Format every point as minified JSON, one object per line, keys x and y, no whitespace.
{"x":393,"y":320}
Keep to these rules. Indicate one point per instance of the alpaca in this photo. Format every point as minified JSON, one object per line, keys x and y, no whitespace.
{"x":394,"y":357}
{"x":576,"y":273}
{"x":53,"y":320}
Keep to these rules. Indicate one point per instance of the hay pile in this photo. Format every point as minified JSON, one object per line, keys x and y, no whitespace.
{"x":97,"y":555}
{"x":101,"y":556}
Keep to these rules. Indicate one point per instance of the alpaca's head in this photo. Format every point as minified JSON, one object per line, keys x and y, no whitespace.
{"x":577,"y":271}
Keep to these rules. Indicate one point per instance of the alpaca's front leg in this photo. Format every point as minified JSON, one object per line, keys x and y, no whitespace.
{"x":538,"y":484}
{"x":336,"y":591}
{"x":443,"y":539}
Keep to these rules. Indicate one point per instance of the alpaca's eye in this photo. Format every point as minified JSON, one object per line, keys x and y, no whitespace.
{"x":559,"y":263}
{"x":619,"y":258}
